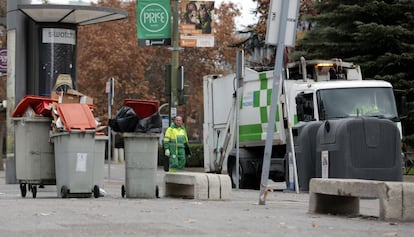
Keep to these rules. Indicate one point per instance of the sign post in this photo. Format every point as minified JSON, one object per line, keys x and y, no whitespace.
{"x":277,"y":25}
{"x":109,"y":89}
{"x":174,"y":63}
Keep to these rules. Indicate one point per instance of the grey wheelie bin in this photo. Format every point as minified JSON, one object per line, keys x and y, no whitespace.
{"x":35,"y":161}
{"x":141,"y":125}
{"x":75,"y":164}
{"x":99,"y":159}
{"x":141,"y":154}
{"x":75,"y":159}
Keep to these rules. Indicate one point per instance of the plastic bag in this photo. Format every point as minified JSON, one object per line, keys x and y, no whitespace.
{"x":126,"y":120}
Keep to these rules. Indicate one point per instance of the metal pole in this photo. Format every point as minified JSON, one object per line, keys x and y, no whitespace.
{"x":274,"y":102}
{"x":109,"y":137}
{"x":290,"y":143}
{"x":239,"y":78}
{"x":110,"y":91}
{"x":174,"y":63}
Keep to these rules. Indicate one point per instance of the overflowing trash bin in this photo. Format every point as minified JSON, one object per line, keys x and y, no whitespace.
{"x":141,"y":125}
{"x":74,"y":152}
{"x":77,"y":167}
{"x":34,"y":153}
{"x":56,"y":144}
{"x":35,"y":161}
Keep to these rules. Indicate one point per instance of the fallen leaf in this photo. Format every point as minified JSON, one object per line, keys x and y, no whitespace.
{"x":391,"y":234}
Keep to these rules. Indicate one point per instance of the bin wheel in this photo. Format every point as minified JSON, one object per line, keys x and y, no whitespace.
{"x":96,"y":191}
{"x":157,"y":192}
{"x":123,"y":191}
{"x":34,"y":191}
{"x":23,"y":190}
{"x":64,"y":191}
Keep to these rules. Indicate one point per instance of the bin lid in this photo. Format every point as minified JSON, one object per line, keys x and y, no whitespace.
{"x":142,"y":108}
{"x":40,"y":104}
{"x":76,"y":116}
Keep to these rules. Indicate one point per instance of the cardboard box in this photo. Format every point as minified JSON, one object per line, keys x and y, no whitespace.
{"x":72,"y":96}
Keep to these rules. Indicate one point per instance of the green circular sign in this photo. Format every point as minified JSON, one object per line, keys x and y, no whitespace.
{"x":154,"y":17}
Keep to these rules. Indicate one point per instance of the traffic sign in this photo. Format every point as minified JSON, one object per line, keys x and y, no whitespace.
{"x":274,"y":22}
{"x":154,"y":22}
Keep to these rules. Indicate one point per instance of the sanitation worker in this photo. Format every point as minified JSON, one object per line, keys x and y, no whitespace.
{"x":176,"y":145}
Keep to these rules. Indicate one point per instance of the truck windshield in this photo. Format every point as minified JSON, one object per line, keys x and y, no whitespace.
{"x":353,"y":102}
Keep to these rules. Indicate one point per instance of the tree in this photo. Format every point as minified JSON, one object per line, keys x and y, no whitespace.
{"x":378,"y":35}
{"x":199,"y":62}
{"x":259,"y":30}
{"x":111,"y":50}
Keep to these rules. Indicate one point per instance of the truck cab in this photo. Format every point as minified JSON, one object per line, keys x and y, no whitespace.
{"x":333,"y":89}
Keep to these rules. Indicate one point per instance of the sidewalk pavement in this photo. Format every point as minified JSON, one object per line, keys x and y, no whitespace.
{"x":285,"y":214}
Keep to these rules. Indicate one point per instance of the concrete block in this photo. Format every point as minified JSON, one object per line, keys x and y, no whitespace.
{"x":341,"y":196}
{"x":213,"y":187}
{"x":313,"y":202}
{"x":346,"y":187}
{"x":115,"y":158}
{"x":408,"y":202}
{"x":332,"y":204}
{"x":200,"y":186}
{"x":390,"y":201}
{"x":187,"y":184}
{"x":179,"y":190}
{"x":225,"y":187}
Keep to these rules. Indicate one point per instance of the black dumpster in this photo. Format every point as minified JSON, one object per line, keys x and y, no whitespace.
{"x":359,"y":148}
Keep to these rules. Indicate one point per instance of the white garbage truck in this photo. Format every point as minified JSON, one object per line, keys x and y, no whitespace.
{"x":320,"y":93}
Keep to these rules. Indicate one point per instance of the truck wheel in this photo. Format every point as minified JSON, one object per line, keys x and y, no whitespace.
{"x":64,"y":191}
{"x":157,"y":192}
{"x":96,"y":192}
{"x":34,"y":191}
{"x":23,"y":189}
{"x":123,"y":191}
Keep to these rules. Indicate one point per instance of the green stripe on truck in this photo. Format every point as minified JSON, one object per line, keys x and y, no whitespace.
{"x":263,"y":115}
{"x":263,"y":81}
{"x":251,"y":132}
{"x":269,"y":97}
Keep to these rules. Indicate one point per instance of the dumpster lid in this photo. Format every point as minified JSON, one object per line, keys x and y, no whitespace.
{"x":142,"y":108}
{"x":76,"y":116}
{"x":40,"y":104}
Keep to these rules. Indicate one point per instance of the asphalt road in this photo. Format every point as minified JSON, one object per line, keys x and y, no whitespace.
{"x":285,"y":214}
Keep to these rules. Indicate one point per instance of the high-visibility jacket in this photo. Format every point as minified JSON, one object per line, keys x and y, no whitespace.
{"x":175,"y":140}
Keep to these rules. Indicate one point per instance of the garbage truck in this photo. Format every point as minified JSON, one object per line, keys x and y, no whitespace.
{"x":312,"y":92}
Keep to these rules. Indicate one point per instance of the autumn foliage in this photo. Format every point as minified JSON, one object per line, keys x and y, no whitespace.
{"x":111,"y":50}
